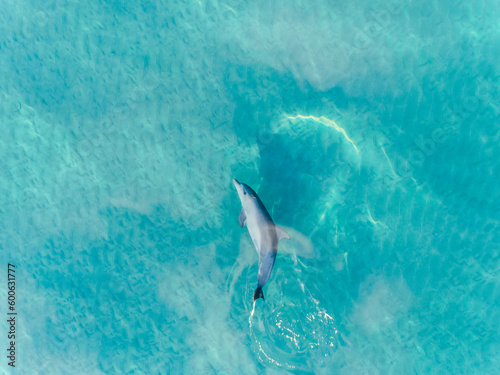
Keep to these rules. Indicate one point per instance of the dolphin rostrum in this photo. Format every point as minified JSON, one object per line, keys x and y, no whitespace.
{"x":264,"y":233}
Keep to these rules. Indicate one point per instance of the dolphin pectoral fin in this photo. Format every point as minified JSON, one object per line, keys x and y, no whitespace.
{"x":281,"y":233}
{"x":242,"y":217}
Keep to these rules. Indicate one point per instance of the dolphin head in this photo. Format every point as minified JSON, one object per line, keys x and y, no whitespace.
{"x":245,"y":192}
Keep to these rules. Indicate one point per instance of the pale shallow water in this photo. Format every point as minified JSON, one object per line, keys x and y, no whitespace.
{"x":369,"y":130}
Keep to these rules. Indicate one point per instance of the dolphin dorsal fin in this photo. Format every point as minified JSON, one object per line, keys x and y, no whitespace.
{"x":242,"y":217}
{"x":281,"y":233}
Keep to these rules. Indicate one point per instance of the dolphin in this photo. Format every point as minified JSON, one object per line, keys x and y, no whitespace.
{"x":264,"y":233}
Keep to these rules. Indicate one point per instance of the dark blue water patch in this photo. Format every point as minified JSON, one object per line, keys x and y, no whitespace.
{"x":103,"y":288}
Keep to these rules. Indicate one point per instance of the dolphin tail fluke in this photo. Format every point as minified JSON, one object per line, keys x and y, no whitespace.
{"x":258,"y":293}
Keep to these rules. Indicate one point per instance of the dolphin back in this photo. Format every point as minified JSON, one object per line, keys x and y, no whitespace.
{"x":266,"y":263}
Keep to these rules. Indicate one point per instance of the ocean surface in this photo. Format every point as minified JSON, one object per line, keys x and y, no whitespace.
{"x":369,"y":129}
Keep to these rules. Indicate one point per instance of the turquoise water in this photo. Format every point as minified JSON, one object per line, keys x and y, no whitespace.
{"x":369,"y":130}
